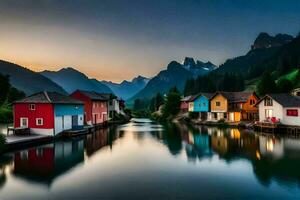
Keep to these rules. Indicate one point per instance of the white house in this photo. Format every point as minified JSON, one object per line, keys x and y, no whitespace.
{"x":296,"y":92}
{"x":280,"y":107}
{"x":113,"y":105}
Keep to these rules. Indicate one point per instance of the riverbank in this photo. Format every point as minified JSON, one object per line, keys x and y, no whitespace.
{"x":15,"y":142}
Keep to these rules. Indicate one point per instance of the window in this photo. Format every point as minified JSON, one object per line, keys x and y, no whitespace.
{"x":268,"y":101}
{"x":292,"y":112}
{"x":31,"y":106}
{"x":23,"y":122}
{"x":110,"y":103}
{"x":204,"y":104}
{"x":218,"y":103}
{"x":252,"y":102}
{"x":39,"y":121}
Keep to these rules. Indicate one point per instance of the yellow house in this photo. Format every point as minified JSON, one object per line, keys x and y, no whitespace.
{"x":232,"y":106}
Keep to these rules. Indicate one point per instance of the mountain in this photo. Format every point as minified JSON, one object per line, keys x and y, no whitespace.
{"x":176,"y":74}
{"x":197,"y":68}
{"x":127,"y":89}
{"x":71,"y":80}
{"x":286,"y":58}
{"x":264,"y":40}
{"x":26,"y":80}
{"x":263,"y":48}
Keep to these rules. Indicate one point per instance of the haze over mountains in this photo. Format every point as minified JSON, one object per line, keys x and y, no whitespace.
{"x":127,"y":89}
{"x":266,"y":52}
{"x":71,"y":80}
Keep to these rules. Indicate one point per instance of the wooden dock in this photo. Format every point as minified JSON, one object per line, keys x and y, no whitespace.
{"x":268,"y":127}
{"x":18,"y":141}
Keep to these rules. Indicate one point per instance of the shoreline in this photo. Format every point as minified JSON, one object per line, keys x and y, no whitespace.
{"x":30,"y":142}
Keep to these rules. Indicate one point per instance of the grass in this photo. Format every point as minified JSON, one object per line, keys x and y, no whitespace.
{"x":292,"y":76}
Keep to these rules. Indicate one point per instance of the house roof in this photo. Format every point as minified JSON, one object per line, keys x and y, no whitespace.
{"x":93,"y":95}
{"x":236,"y":97}
{"x":187,"y":98}
{"x":207,"y":95}
{"x":285,"y":100}
{"x":49,"y":97}
{"x":108,"y":96}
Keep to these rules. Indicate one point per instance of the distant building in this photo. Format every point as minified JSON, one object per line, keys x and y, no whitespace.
{"x":282,"y":108}
{"x":184,"y":105}
{"x":48,"y":113}
{"x":113,"y":105}
{"x":95,"y":106}
{"x":233,"y":106}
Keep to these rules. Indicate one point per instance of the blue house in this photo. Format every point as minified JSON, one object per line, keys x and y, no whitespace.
{"x":201,"y":104}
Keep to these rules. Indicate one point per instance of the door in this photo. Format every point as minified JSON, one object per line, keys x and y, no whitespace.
{"x":269,"y":113}
{"x":24,"y":122}
{"x":231,"y":117}
{"x":58,"y":124}
{"x":74,"y":120}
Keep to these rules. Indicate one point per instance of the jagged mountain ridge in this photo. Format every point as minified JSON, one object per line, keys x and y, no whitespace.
{"x":127,"y":89}
{"x":176,"y":74}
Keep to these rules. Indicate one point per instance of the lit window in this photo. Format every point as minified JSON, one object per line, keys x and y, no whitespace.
{"x":292,"y":112}
{"x":268,"y":101}
{"x":39,"y":122}
{"x":31,"y":106}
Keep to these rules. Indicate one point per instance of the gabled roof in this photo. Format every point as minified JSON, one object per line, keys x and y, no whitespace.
{"x":92,"y":95}
{"x":285,"y":100}
{"x":49,"y":97}
{"x":207,"y":95}
{"x":108,"y":96}
{"x":236,"y":97}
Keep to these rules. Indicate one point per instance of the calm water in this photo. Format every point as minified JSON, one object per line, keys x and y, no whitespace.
{"x":150,"y":161}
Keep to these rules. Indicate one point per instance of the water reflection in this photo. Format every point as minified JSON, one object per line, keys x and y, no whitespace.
{"x":45,"y":163}
{"x":153,"y":155}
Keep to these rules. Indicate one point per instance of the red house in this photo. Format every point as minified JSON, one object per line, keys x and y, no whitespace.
{"x":184,"y":105}
{"x":48,"y":113}
{"x":95,"y":106}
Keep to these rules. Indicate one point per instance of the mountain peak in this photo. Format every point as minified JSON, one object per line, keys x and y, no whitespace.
{"x":188,"y":61}
{"x":264,"y":40}
{"x":173,"y":65}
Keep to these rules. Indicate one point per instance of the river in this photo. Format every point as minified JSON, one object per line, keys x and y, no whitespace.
{"x":152,"y":161}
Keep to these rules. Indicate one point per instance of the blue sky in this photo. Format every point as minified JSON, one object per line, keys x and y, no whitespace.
{"x":119,"y":39}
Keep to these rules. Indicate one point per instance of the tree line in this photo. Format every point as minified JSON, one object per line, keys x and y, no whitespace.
{"x":212,"y":82}
{"x":8,"y":95}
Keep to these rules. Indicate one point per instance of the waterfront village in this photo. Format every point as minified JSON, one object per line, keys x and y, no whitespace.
{"x":45,"y":115}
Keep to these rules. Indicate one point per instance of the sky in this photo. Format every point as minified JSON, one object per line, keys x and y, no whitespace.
{"x":120,"y":39}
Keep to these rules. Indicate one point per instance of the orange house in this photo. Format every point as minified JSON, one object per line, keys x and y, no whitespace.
{"x":233,"y":106}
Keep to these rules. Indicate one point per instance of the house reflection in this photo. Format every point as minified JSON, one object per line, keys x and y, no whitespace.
{"x":197,"y":142}
{"x":44,"y":164}
{"x":6,"y":161}
{"x":96,"y":141}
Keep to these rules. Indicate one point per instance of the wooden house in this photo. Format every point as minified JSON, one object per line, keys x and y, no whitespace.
{"x":184,"y":105}
{"x":48,"y":113}
{"x":233,"y":106}
{"x":95,"y":106}
{"x":200,"y":103}
{"x":282,"y":108}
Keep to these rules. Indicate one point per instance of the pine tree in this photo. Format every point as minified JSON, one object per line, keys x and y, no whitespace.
{"x":266,"y":85}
